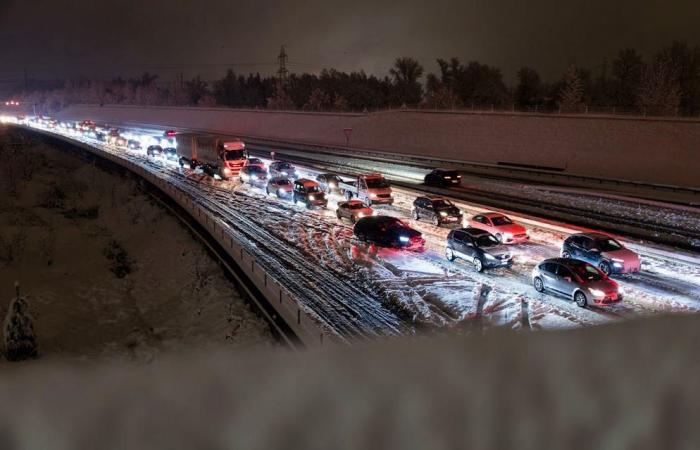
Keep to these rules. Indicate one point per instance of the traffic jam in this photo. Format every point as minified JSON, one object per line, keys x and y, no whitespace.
{"x":586,"y":271}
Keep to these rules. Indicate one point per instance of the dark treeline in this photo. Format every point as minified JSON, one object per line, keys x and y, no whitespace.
{"x":668,"y":83}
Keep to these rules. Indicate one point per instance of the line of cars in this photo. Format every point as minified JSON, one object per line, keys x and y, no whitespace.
{"x":582,"y":273}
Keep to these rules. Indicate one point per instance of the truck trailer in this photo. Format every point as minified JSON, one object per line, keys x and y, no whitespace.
{"x":219,"y":157}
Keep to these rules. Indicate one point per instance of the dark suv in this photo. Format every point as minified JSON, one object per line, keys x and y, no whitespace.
{"x":602,"y":251}
{"x":479,"y":247}
{"x":443,"y":178}
{"x":436,"y":209}
{"x":309,"y":192}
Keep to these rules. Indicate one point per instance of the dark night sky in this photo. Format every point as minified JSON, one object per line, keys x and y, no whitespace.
{"x":107,"y":37}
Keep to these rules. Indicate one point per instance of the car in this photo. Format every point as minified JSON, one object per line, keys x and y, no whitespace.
{"x":602,"y":251}
{"x":254,"y":162}
{"x":283,"y":169}
{"x":353,"y":210}
{"x":438,"y":210}
{"x":309,"y":192}
{"x":479,"y":247}
{"x":442,"y":178}
{"x":254,"y":175}
{"x":329,"y":182}
{"x":154,"y":150}
{"x":133,"y":144}
{"x":500,"y":226}
{"x":120,"y":141}
{"x":575,"y":279}
{"x":170,"y":153}
{"x":281,"y":186}
{"x":387,"y":231}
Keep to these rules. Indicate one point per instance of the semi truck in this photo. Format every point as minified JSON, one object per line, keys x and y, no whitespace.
{"x":219,"y":157}
{"x":371,"y":188}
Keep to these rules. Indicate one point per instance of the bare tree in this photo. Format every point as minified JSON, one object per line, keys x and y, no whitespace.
{"x":659,"y":90}
{"x":318,"y":100}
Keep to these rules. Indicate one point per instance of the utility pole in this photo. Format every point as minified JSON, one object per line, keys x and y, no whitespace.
{"x":282,"y":72}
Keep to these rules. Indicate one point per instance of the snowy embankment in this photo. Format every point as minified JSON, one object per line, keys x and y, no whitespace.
{"x":108,"y":272}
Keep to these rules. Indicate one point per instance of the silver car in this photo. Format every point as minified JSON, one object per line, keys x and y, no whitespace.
{"x":578,"y":280}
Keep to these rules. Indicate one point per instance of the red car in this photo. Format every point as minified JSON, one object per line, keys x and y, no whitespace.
{"x":501,"y":226}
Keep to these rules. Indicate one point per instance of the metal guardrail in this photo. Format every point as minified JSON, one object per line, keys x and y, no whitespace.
{"x":516,"y":173}
{"x":303,"y":322}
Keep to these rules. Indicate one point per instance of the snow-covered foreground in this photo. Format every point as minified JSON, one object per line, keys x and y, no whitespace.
{"x":362,"y":293}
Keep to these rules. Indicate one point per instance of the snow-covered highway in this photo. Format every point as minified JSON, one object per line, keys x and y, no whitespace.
{"x":362,"y":294}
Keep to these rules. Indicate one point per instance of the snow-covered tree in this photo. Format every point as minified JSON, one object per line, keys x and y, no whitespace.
{"x":318,"y":100}
{"x":281,"y":100}
{"x":571,"y":95}
{"x":20,"y":340}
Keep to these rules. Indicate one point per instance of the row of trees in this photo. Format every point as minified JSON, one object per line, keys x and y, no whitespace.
{"x":666,"y":84}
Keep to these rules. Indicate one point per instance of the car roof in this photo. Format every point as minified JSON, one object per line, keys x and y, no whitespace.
{"x":352,"y":202}
{"x":306,"y":182}
{"x":592,"y":235}
{"x":570,"y":262}
{"x":491,"y":214}
{"x":473,"y":231}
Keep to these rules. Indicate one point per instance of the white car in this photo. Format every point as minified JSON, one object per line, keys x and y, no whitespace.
{"x":353,"y":210}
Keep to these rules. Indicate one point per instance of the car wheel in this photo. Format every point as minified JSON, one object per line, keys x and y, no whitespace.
{"x":565,"y":254}
{"x":539,"y":285}
{"x":478,"y":265}
{"x":499,"y":237}
{"x":605,"y":267}
{"x":449,"y":254}
{"x":182,"y":164}
{"x":414,"y":214}
{"x":580,"y":299}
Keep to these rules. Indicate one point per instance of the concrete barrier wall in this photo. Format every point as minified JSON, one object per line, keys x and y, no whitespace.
{"x":646,"y":150}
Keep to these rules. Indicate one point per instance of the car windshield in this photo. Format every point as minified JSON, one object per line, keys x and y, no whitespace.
{"x":283,"y":182}
{"x":588,"y":273}
{"x":233,"y":155}
{"x":608,"y":245}
{"x":312,"y":189}
{"x":254,"y":161}
{"x":377,"y":183}
{"x":284,"y":166}
{"x":501,"y":220}
{"x":442,"y":203}
{"x":256,"y":169}
{"x":486,"y":240}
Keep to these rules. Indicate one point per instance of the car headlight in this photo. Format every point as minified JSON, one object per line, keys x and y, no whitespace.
{"x":404,"y":239}
{"x":443,"y":213}
{"x":372,"y":195}
{"x":360,"y":215}
{"x":227,"y":170}
{"x":620,"y":290}
{"x":280,"y":191}
{"x":596,"y":292}
{"x":284,"y":173}
{"x":374,"y":213}
{"x":312,"y":197}
{"x":508,"y":235}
